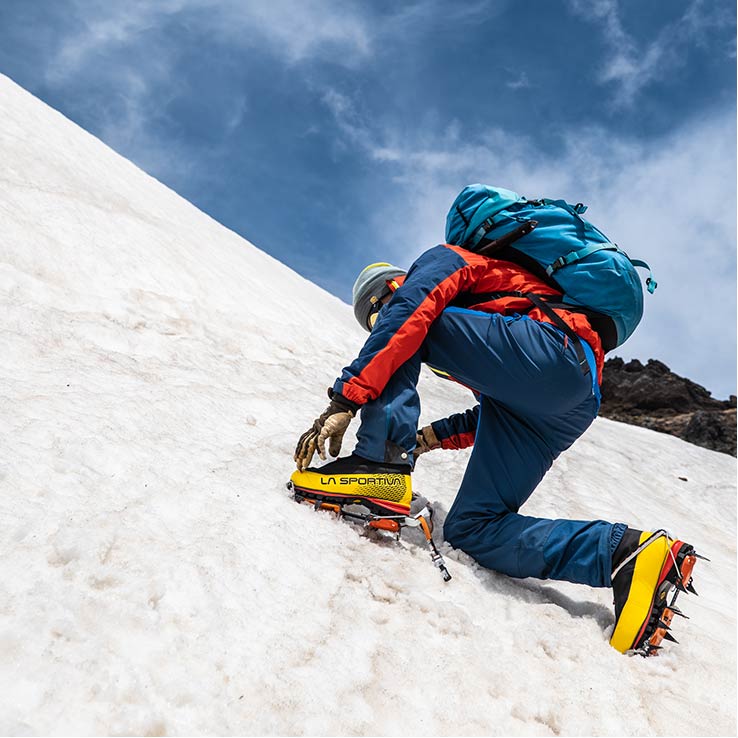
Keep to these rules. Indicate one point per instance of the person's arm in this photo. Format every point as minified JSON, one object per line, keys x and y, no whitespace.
{"x":458,"y":430}
{"x":432,"y":283}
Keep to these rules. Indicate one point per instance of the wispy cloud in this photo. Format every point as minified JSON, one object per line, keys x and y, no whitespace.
{"x":339,"y":31}
{"x":125,"y":124}
{"x":99,"y":29}
{"x":237,"y":109}
{"x":519,"y":82}
{"x":349,"y":120}
{"x":130,"y":48}
{"x":292,"y":29}
{"x":107,"y":50}
{"x":631,"y":67}
{"x":411,"y":20}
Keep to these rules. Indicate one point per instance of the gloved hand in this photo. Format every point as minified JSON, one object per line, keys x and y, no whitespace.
{"x":425,"y":440}
{"x":331,"y":425}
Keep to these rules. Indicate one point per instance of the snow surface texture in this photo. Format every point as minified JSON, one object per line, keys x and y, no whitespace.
{"x":156,"y":578}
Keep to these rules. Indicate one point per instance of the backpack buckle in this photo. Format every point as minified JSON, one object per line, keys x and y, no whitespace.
{"x":485,"y":227}
{"x":560,"y":262}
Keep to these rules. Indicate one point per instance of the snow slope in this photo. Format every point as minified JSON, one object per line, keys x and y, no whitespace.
{"x":155,"y":578}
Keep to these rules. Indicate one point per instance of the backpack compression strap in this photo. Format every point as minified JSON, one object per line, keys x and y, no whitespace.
{"x":574,"y":256}
{"x":488,"y":246}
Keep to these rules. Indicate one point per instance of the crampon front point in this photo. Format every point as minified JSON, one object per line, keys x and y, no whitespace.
{"x":377,"y":518}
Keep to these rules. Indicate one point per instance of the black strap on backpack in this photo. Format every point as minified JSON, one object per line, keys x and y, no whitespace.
{"x":559,"y":322}
{"x":489,"y":246}
{"x":542,"y":302}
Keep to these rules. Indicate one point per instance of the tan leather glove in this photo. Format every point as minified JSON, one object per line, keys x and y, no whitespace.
{"x":332,"y":424}
{"x":425,"y":440}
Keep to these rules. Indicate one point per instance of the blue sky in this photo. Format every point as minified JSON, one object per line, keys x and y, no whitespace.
{"x":334,"y":134}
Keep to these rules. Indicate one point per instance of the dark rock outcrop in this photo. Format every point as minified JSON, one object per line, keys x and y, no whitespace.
{"x":652,"y":396}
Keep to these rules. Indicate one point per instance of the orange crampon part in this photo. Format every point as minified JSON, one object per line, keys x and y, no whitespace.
{"x":384,"y":524}
{"x":655,"y":640}
{"x":663,"y":627}
{"x":686,"y":570}
{"x":426,"y":528}
{"x":320,"y":505}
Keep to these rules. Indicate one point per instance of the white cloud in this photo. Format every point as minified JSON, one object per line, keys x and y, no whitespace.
{"x":237,"y":110}
{"x":295,"y":28}
{"x":292,"y":29}
{"x":414,"y":19}
{"x":101,"y":28}
{"x":348,"y":119}
{"x":130,"y":46}
{"x":629,"y":67}
{"x":125,"y":126}
{"x":520,"y":82}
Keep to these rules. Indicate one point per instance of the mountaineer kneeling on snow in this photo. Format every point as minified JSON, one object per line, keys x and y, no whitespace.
{"x":521,"y":311}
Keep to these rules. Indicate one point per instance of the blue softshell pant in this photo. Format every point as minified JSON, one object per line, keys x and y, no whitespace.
{"x":535,"y":402}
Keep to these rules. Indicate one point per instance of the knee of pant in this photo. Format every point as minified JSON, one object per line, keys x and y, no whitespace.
{"x":452,"y":531}
{"x":458,"y":530}
{"x":479,"y":537}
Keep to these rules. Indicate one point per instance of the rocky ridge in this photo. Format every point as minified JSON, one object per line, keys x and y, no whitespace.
{"x":653,"y":396}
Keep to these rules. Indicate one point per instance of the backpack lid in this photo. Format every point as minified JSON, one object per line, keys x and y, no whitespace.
{"x":472,"y":206}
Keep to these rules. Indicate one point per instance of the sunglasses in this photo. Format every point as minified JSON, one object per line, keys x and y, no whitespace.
{"x":374,"y":312}
{"x":378,"y":303}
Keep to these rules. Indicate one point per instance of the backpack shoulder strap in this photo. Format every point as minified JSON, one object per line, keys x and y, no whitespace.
{"x":538,"y":301}
{"x":559,"y":322}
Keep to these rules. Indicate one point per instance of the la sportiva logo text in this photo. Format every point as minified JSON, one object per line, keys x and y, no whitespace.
{"x":385,"y":481}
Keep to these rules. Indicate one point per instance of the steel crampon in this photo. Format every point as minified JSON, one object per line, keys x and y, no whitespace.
{"x":370,"y":517}
{"x":658,"y":626}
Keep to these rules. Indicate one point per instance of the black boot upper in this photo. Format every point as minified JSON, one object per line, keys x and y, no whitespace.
{"x":621,"y":583}
{"x":357,"y":465}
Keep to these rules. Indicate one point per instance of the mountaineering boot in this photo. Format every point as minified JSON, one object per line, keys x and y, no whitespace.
{"x":647,"y":568}
{"x":381,"y":487}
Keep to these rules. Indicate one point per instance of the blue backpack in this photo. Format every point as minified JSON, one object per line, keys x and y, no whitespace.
{"x":552,"y":240}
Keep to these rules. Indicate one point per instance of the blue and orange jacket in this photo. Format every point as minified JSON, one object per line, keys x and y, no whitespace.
{"x":436,"y":279}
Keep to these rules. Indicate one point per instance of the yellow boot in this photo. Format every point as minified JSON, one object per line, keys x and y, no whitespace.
{"x":648,"y":569}
{"x":383,"y":488}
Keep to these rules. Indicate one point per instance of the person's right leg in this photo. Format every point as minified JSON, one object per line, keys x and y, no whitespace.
{"x":508,"y":461}
{"x":535,"y":402}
